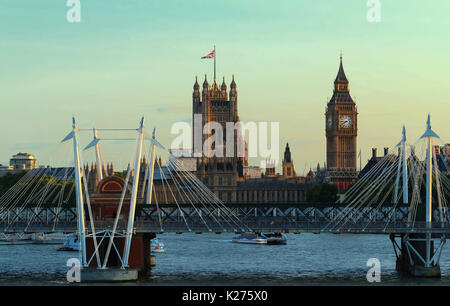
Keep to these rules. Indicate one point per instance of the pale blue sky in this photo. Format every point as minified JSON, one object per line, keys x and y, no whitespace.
{"x":140,"y":57}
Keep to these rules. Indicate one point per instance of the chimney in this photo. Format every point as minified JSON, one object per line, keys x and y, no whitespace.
{"x":386,"y":151}
{"x":374,"y":153}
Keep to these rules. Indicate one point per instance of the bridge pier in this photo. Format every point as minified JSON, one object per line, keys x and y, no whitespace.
{"x":109,"y":275}
{"x":140,"y":261}
{"x":416,"y":254}
{"x":148,"y":259}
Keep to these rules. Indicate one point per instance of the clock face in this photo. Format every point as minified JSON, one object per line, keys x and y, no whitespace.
{"x":330,"y":121}
{"x":345,"y":122}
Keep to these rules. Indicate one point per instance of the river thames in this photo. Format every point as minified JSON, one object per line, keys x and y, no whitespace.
{"x":212,"y":259}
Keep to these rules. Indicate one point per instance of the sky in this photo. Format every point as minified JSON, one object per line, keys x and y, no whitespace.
{"x":131,"y":58}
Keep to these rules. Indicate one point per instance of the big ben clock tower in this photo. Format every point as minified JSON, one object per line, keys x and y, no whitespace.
{"x":341,"y":132}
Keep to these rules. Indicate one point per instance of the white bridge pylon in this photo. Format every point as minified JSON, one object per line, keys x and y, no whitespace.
{"x":402,"y":176}
{"x":184,"y":186}
{"x":432,"y":255}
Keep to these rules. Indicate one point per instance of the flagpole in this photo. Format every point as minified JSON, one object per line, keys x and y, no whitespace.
{"x":360,"y":159}
{"x":214,"y":62}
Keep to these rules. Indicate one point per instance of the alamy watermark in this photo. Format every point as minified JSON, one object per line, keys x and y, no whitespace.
{"x":215,"y":139}
{"x":374,"y":273}
{"x":74,"y":13}
{"x":374,"y":12}
{"x":74,"y":273}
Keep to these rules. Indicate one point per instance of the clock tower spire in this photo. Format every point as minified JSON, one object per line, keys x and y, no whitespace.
{"x":341,"y":82}
{"x":341,"y":132}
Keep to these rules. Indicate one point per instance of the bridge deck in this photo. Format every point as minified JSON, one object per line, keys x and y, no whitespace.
{"x":285,"y":217}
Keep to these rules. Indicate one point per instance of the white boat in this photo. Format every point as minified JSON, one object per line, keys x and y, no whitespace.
{"x":157,"y":246}
{"x":260,"y":238}
{"x":71,"y":243}
{"x":54,"y":238}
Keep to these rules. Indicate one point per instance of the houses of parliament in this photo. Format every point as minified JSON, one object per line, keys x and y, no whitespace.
{"x":233,"y":181}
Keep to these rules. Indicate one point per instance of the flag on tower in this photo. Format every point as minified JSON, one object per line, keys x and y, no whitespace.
{"x":210,"y":55}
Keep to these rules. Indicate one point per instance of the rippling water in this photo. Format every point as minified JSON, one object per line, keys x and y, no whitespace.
{"x":211,"y":259}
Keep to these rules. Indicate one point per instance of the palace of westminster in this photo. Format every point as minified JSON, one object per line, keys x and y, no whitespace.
{"x":232,"y":179}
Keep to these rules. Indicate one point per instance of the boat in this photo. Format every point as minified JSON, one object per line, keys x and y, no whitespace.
{"x":260,"y":238}
{"x":275,"y":238}
{"x":15,"y":241}
{"x":71,"y":244}
{"x":54,"y":238}
{"x":157,"y":246}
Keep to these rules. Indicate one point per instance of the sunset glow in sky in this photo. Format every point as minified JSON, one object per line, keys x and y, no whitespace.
{"x":131,"y":58}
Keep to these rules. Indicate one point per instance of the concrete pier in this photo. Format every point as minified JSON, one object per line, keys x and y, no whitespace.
{"x":108,"y":275}
{"x":408,"y":262}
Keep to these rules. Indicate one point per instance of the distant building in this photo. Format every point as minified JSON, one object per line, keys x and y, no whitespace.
{"x":442,"y":159}
{"x":230,"y":178}
{"x":188,"y":163}
{"x":252,"y":172}
{"x":270,"y":190}
{"x":216,"y":104}
{"x":373,"y":161}
{"x":288,"y":164}
{"x":341,"y":129}
{"x":446,"y":149}
{"x":18,"y":163}
{"x":270,"y":169}
{"x":23,"y":161}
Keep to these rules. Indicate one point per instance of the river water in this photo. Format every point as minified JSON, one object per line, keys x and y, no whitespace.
{"x":212,"y":259}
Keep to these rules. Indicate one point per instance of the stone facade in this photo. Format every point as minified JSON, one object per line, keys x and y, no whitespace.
{"x":341,"y":126}
{"x":225,"y":176}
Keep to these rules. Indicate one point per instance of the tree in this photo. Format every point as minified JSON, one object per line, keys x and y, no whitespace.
{"x":323,"y":193}
{"x":9,"y":180}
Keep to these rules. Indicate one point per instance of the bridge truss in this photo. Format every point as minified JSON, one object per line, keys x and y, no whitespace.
{"x":305,"y":217}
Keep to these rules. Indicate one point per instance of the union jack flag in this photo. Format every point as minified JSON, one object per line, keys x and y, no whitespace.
{"x":210,"y":55}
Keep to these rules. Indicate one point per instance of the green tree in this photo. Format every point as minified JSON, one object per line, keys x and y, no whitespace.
{"x":323,"y":193}
{"x":9,"y":180}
